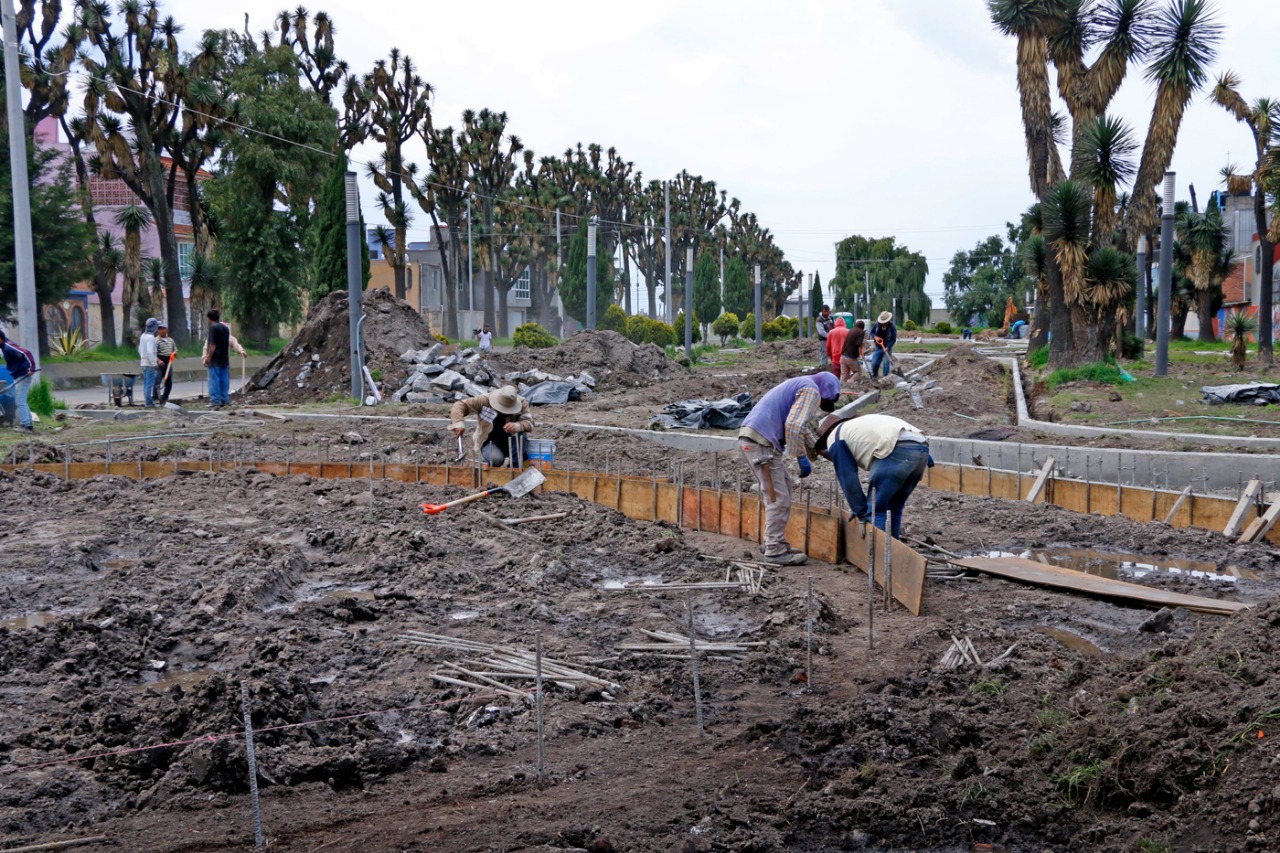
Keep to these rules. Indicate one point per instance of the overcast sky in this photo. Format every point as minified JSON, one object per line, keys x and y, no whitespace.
{"x":873,"y":117}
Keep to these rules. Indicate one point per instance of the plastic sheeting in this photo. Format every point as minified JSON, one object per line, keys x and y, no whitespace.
{"x":1257,"y":393}
{"x":706,"y":414}
{"x":552,"y":393}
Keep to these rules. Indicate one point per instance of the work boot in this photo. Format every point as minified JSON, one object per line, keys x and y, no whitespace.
{"x":789,"y":557}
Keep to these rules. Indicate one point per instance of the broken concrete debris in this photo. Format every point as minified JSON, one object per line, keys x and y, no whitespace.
{"x":436,"y":379}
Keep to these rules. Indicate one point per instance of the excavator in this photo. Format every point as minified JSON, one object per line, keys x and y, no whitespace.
{"x":1012,"y":318}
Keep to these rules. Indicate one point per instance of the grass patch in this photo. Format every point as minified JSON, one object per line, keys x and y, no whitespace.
{"x":1079,"y":780}
{"x":1038,"y":358}
{"x":988,"y":687}
{"x":1103,"y":372}
{"x":42,"y":401}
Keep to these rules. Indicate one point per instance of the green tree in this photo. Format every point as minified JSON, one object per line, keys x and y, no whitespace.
{"x":65,"y":242}
{"x":133,"y":218}
{"x":726,"y":326}
{"x":259,"y":195}
{"x":706,"y":289}
{"x":980,"y":281}
{"x":1205,"y":238}
{"x":573,"y":285}
{"x":739,"y":298}
{"x":895,"y":272}
{"x":815,"y":296}
{"x":327,"y":236}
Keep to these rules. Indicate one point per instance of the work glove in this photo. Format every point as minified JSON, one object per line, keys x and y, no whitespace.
{"x":805,"y":467}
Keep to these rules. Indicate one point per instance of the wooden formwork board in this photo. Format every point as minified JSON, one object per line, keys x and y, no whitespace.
{"x":907,"y":566}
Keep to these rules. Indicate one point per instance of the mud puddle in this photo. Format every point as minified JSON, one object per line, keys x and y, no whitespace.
{"x":29,"y":620}
{"x":1117,"y":566}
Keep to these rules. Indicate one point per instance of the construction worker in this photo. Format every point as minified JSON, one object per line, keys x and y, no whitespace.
{"x":502,"y":424}
{"x":851,"y":353}
{"x":884,"y":334}
{"x":21,"y":365}
{"x":835,"y":344}
{"x":824,"y":324}
{"x":893,"y":452}
{"x":781,"y":425}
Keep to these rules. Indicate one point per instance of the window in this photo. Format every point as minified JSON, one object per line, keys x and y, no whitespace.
{"x":521,"y":288}
{"x":185,"y":251}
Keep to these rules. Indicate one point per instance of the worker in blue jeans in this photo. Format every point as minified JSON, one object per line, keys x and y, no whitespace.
{"x":894,"y":453}
{"x":883,"y":335}
{"x":21,"y":365}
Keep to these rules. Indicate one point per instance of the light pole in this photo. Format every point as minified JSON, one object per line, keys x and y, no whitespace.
{"x":666,"y":250}
{"x":1140,"y":298}
{"x":759,"y":307}
{"x":591,"y":274}
{"x":354,"y":284}
{"x":24,"y":261}
{"x":688,"y":303}
{"x":1165,"y":297}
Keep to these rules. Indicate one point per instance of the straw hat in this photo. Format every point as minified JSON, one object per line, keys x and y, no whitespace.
{"x":505,"y":400}
{"x":884,"y":317}
{"x":828,"y":425}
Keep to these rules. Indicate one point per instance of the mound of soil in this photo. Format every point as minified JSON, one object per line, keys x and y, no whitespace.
{"x":315,"y":364}
{"x":970,"y":386}
{"x":608,"y":356}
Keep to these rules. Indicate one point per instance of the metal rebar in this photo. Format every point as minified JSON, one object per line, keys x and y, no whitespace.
{"x":66,"y":462}
{"x":808,"y":649}
{"x":693,"y":662}
{"x":253,"y":764}
{"x":888,"y":561}
{"x":542,"y":753}
{"x":870,"y":528}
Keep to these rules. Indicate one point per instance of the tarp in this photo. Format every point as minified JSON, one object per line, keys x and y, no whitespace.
{"x":552,"y":393}
{"x":1258,"y":393}
{"x":706,"y":414}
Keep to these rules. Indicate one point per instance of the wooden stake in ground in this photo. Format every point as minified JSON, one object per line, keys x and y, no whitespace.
{"x":1247,"y":499}
{"x":1177,"y":505}
{"x":1260,"y":526}
{"x":1038,"y":486}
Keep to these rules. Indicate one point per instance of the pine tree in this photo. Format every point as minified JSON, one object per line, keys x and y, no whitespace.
{"x":815,"y":296}
{"x":573,"y":286}
{"x":738,"y":296}
{"x":327,"y":237}
{"x":706,"y":290}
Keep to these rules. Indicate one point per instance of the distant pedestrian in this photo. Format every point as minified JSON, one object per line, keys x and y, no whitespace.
{"x":166,"y":355}
{"x":884,"y":334}
{"x":893,"y":452}
{"x":824,"y":324}
{"x":217,"y":357}
{"x":781,"y":426}
{"x":21,"y":365}
{"x":851,"y":353}
{"x":147,"y":355}
{"x":486,"y":340}
{"x":966,"y":334}
{"x":835,"y":344}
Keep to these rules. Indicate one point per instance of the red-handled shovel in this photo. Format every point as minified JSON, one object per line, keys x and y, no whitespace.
{"x":517,"y":488}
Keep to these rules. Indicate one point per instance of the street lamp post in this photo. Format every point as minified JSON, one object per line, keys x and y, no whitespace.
{"x":1165,"y":298}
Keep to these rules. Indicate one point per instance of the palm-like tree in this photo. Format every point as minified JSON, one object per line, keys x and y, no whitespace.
{"x":492,"y":169}
{"x":109,"y":264}
{"x":133,"y":218}
{"x":1067,"y":213}
{"x":1103,"y":160}
{"x":206,"y":285}
{"x":153,"y":273}
{"x":1263,"y":120}
{"x":1205,"y":239}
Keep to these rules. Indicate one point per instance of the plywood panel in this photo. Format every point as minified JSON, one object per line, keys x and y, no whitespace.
{"x":1028,"y":571}
{"x":728,"y":520}
{"x":637,"y":499}
{"x":401,"y":473}
{"x":824,"y":537}
{"x":908,"y":566}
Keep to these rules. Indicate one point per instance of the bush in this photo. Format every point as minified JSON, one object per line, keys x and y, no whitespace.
{"x":644,"y":330}
{"x":726,"y":326}
{"x":614,"y":320}
{"x":775,"y":330}
{"x":1131,"y":347}
{"x":41,"y":399}
{"x":942,"y":327}
{"x":442,"y":339}
{"x":909,"y":325}
{"x":1038,"y":358}
{"x":748,"y":326}
{"x":678,"y":328}
{"x":534,"y":336}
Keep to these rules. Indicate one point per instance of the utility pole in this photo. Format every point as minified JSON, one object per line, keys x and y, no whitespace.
{"x":868,"y":285}
{"x":354,"y":284}
{"x":722,"y":275}
{"x":1165,"y":297}
{"x":24,"y":262}
{"x":591,"y":274}
{"x":1140,"y":303}
{"x":759,"y":306}
{"x":804,"y":327}
{"x":471,"y":284}
{"x":688,"y":303}
{"x":666,"y":201}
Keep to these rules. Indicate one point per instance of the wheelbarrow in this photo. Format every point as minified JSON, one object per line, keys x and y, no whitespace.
{"x":119,"y":386}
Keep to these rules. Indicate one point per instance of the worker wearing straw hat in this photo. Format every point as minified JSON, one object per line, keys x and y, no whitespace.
{"x":502,"y":423}
{"x":884,"y":334}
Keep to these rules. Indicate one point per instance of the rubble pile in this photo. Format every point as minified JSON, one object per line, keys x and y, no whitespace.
{"x":615,"y":361}
{"x":435,"y":377}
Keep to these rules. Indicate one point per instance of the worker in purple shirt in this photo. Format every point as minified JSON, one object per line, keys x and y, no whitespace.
{"x":782,"y":425}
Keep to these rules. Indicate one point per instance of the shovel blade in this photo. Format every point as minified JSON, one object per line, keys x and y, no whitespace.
{"x":525,"y":483}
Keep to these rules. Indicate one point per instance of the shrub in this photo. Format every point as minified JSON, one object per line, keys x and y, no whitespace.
{"x":775,"y":330}
{"x":614,"y":320}
{"x":909,"y":325}
{"x":748,"y":327}
{"x":534,"y":336}
{"x":678,"y":328}
{"x":644,"y":330}
{"x":635,"y":329}
{"x":442,"y":339}
{"x":784,"y":327}
{"x":726,"y":326}
{"x":1132,"y":347}
{"x":1038,"y":358}
{"x":41,"y":399}
{"x":942,"y":327}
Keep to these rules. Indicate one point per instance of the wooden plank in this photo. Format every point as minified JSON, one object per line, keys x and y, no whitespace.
{"x":1247,"y":499}
{"x":1261,"y":526}
{"x":908,"y":565}
{"x":1027,"y":571}
{"x":1177,"y":505}
{"x":1038,"y":486}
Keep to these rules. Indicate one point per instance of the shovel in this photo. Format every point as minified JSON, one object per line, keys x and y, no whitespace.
{"x":517,"y":488}
{"x":461,"y":453}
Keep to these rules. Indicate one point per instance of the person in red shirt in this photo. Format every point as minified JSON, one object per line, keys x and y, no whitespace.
{"x":835,"y":343}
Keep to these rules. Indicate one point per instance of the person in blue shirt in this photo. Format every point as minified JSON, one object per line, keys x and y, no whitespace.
{"x":21,"y":365}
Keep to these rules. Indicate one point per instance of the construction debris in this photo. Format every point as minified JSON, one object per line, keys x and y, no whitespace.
{"x":1257,"y":393}
{"x":502,"y":664}
{"x":669,"y":645}
{"x":728,"y":413}
{"x":436,"y":378}
{"x":961,"y":653}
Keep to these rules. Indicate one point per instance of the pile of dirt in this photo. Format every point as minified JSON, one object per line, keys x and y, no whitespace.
{"x":316,"y":363}
{"x":972,"y":392}
{"x":608,"y":356}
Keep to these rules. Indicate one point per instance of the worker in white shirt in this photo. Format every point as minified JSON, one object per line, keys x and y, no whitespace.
{"x":893,"y":452}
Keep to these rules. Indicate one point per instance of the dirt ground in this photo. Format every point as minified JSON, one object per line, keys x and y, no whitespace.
{"x":132,"y":613}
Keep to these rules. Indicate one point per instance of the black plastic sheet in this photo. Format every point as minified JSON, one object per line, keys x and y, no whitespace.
{"x":552,"y":394}
{"x":1257,"y":393}
{"x":706,"y":414}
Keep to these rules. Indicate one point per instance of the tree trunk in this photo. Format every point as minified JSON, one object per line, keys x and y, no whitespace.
{"x":504,"y":319}
{"x":446,"y":293}
{"x":103,"y":285}
{"x":42,"y":332}
{"x":106,"y":310}
{"x":1040,"y":323}
{"x":1204,"y":309}
{"x":1178,"y":321}
{"x":1267,"y":269}
{"x":1061,"y":343}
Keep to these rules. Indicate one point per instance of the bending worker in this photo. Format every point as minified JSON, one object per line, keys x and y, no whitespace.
{"x":893,"y":452}
{"x":502,"y":424}
{"x":780,"y":425}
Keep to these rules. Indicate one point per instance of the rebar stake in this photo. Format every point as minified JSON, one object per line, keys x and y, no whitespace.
{"x":888,"y":561}
{"x":870,"y":528}
{"x":253,"y":764}
{"x":542,"y":754}
{"x":693,"y":662}
{"x":808,"y":649}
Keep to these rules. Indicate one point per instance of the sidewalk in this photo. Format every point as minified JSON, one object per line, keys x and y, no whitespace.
{"x":100,"y":398}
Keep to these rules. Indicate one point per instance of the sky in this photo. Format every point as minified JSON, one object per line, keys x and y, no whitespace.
{"x":826,"y":118}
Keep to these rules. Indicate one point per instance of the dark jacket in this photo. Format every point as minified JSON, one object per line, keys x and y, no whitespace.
{"x":853,"y":343}
{"x":20,"y":362}
{"x":886,"y":331}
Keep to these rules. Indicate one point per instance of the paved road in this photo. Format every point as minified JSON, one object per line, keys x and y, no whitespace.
{"x":97,"y":396}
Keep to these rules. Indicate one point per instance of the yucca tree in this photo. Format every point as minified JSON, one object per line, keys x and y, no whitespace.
{"x":1206,"y":240}
{"x":1103,"y":159}
{"x":133,"y":218}
{"x":492,"y":168}
{"x":206,"y":286}
{"x":1067,"y":213}
{"x":1110,"y":281}
{"x":1030,"y":21}
{"x":108,"y":264}
{"x":1262,"y":117}
{"x":1035,"y":261}
{"x":1239,"y":327}
{"x":153,"y":275}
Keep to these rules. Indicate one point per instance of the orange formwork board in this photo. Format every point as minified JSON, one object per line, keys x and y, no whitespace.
{"x":637,"y":499}
{"x":824,"y":536}
{"x":908,"y":566}
{"x":668,"y":497}
{"x":1040,"y":574}
{"x":728,"y":524}
{"x":709,"y":510}
{"x":401,"y":473}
